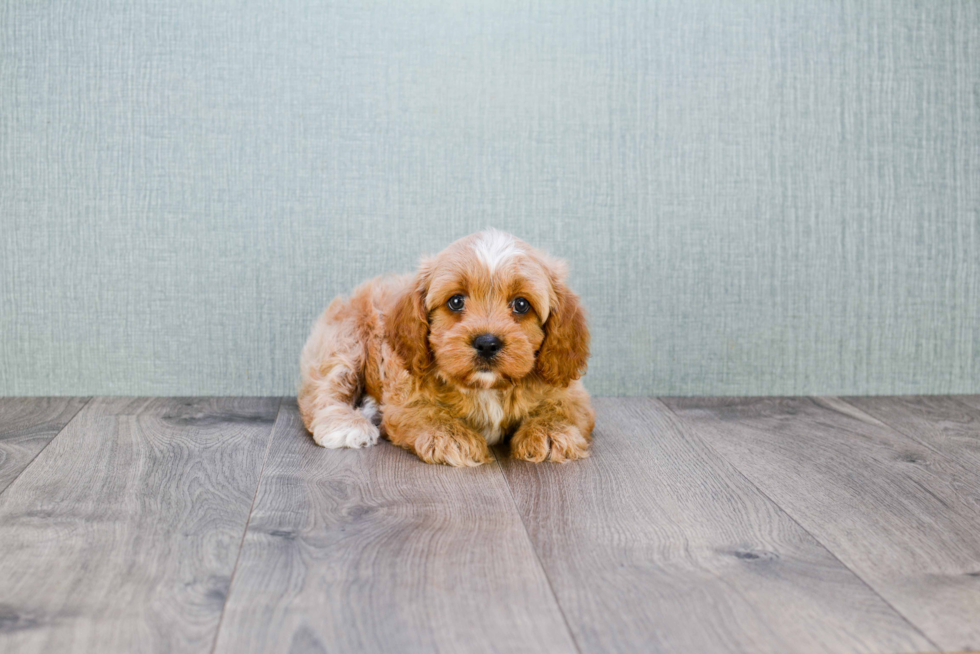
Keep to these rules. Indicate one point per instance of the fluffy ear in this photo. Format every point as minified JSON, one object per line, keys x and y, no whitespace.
{"x":564,"y":353}
{"x":407,"y":325}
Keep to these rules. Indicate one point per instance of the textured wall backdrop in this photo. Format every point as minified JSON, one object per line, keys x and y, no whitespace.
{"x":755,"y":197}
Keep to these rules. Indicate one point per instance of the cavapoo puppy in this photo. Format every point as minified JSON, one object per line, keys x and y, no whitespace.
{"x":484,"y":342}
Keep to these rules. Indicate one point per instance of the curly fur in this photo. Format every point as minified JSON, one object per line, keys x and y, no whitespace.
{"x":395,"y":349}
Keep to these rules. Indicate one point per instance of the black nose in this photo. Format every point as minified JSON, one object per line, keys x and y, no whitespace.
{"x":487,"y":345}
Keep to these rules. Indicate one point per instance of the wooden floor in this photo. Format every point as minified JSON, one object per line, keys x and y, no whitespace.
{"x":697,"y":526}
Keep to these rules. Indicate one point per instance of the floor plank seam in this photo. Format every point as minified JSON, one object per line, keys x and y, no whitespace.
{"x":705,"y":443}
{"x":888,"y":425}
{"x":87,"y":401}
{"x":248,"y":521}
{"x":912,"y":437}
{"x":537,"y":559}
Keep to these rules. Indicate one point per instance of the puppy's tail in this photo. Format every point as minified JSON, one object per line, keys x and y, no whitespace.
{"x":331,"y":386}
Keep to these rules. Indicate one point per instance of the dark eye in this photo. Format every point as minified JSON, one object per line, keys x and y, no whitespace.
{"x":521,"y":305}
{"x":456,"y":303}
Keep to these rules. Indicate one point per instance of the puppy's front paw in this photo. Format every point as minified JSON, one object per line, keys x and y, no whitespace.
{"x":558,"y":443}
{"x":354,"y":434}
{"x":452,"y":449}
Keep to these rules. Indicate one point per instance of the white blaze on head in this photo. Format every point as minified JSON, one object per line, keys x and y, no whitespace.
{"x":494,"y":247}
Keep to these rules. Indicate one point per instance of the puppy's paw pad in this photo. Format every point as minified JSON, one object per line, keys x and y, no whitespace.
{"x":362,"y":434}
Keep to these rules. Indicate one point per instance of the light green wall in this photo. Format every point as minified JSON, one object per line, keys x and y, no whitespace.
{"x":775,"y":197}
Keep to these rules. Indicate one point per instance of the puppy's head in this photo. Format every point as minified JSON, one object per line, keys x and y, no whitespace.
{"x":488,"y":311}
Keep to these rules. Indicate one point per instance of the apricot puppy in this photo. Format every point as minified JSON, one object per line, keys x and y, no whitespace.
{"x":483,"y":343}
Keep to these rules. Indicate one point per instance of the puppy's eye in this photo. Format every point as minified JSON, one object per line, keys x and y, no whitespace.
{"x":456,"y":303}
{"x":521,"y":305}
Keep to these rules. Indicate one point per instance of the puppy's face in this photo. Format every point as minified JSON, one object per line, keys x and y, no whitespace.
{"x":487,"y":305}
{"x":491,"y":311}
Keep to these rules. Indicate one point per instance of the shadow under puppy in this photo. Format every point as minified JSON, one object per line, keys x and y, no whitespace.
{"x":485,"y":341}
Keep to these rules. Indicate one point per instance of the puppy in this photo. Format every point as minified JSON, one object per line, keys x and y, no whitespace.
{"x":483,"y":343}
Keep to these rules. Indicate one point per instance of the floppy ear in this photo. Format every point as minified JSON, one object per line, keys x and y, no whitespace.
{"x":407,"y":325}
{"x":564,"y":354}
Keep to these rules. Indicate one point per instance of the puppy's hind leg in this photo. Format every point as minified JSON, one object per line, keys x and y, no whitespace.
{"x":331,"y":367}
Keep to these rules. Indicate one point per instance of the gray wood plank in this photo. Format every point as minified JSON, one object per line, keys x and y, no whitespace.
{"x":27,"y":424}
{"x":948,"y":425}
{"x":123,"y":533}
{"x":902,"y":516}
{"x":374,"y":551}
{"x":655,"y":544}
{"x":969,"y":400}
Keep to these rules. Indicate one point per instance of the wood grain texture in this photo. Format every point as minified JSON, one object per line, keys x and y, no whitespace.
{"x":970,"y":400}
{"x":901,"y":515}
{"x":656,"y":544}
{"x":373,"y":551}
{"x":948,"y":425}
{"x":123,"y":533}
{"x":27,"y":424}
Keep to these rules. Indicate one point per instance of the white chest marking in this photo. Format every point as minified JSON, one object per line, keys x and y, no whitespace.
{"x":489,"y":414}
